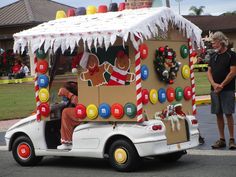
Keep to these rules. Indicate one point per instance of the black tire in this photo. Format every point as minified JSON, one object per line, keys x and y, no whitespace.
{"x":23,"y":152}
{"x":129,"y":160}
{"x":172,"y":157}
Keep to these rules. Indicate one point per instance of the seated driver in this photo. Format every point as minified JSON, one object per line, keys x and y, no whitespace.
{"x":68,"y":120}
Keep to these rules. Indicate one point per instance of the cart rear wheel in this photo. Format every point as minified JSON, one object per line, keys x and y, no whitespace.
{"x":23,"y":152}
{"x":123,"y":156}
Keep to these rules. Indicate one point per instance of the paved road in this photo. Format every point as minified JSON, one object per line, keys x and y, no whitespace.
{"x":208,"y":127}
{"x":188,"y":166}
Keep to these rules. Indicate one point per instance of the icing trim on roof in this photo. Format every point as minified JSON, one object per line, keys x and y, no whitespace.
{"x":103,"y":29}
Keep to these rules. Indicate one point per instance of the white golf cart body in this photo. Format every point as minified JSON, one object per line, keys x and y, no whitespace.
{"x":123,"y":141}
{"x":92,"y":139}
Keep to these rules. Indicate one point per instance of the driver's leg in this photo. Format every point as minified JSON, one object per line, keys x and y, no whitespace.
{"x":68,"y":123}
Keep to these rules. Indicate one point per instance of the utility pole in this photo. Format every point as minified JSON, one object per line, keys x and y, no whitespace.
{"x":167,"y":3}
{"x":179,"y":4}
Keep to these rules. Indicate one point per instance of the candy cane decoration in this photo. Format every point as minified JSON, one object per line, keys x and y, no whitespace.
{"x":36,"y":88}
{"x":138,"y":86}
{"x":192,"y":76}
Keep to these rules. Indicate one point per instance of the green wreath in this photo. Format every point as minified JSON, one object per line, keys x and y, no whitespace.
{"x":165,"y":64}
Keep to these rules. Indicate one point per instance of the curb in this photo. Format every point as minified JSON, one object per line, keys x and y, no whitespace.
{"x":3,"y":148}
{"x":203,"y":101}
{"x":211,"y":152}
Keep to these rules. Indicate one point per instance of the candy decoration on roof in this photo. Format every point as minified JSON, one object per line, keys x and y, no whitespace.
{"x":113,"y":7}
{"x":102,"y":9}
{"x":60,"y":14}
{"x":70,"y":12}
{"x":80,"y":11}
{"x":121,"y":6}
{"x":92,"y":31}
{"x":91,"y":10}
{"x":166,"y":65}
{"x":192,"y":76}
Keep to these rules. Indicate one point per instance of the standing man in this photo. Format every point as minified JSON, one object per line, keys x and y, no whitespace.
{"x":221,"y":74}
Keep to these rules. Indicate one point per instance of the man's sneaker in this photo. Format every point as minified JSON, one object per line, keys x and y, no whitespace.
{"x":64,"y":147}
{"x":219,"y":144}
{"x":232,"y":145}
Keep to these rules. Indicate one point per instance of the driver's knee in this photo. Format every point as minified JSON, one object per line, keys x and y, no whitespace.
{"x":68,"y":113}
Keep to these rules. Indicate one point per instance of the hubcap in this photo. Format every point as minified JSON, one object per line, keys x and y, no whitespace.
{"x":120,"y":155}
{"x":24,"y":151}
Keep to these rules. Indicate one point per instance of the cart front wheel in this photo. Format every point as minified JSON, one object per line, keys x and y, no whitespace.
{"x":23,"y":152}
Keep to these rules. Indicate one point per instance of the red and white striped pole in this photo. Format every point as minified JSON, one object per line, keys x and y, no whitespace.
{"x":36,"y":88}
{"x":192,"y":76}
{"x":138,"y":85}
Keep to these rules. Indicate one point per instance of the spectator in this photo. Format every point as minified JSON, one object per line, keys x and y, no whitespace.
{"x":15,"y":69}
{"x":221,"y":75}
{"x":24,"y":71}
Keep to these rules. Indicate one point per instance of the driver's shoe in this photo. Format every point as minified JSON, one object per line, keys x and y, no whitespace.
{"x":64,"y":147}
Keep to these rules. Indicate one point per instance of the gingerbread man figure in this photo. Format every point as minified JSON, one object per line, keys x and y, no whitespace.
{"x":119,"y":72}
{"x":94,"y":72}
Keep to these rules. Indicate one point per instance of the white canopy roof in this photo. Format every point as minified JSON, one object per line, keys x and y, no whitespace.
{"x":98,"y":29}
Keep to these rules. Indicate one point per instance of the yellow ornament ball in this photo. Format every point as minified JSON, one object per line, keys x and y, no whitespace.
{"x":43,"y":95}
{"x":60,"y":14}
{"x":92,"y":111}
{"x":153,"y":96}
{"x":185,"y":71}
{"x":91,"y":10}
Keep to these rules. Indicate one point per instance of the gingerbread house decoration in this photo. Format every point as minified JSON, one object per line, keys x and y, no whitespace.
{"x":133,"y":64}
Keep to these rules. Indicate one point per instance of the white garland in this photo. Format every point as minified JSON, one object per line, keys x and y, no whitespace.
{"x":104,"y":29}
{"x":174,"y":120}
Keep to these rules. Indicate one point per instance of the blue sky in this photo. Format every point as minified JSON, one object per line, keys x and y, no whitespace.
{"x":213,"y":7}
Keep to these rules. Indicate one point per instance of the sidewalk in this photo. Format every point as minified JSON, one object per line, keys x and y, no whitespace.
{"x":5,"y":124}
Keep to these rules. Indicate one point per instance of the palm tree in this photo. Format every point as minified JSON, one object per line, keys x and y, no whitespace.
{"x":196,"y":11}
